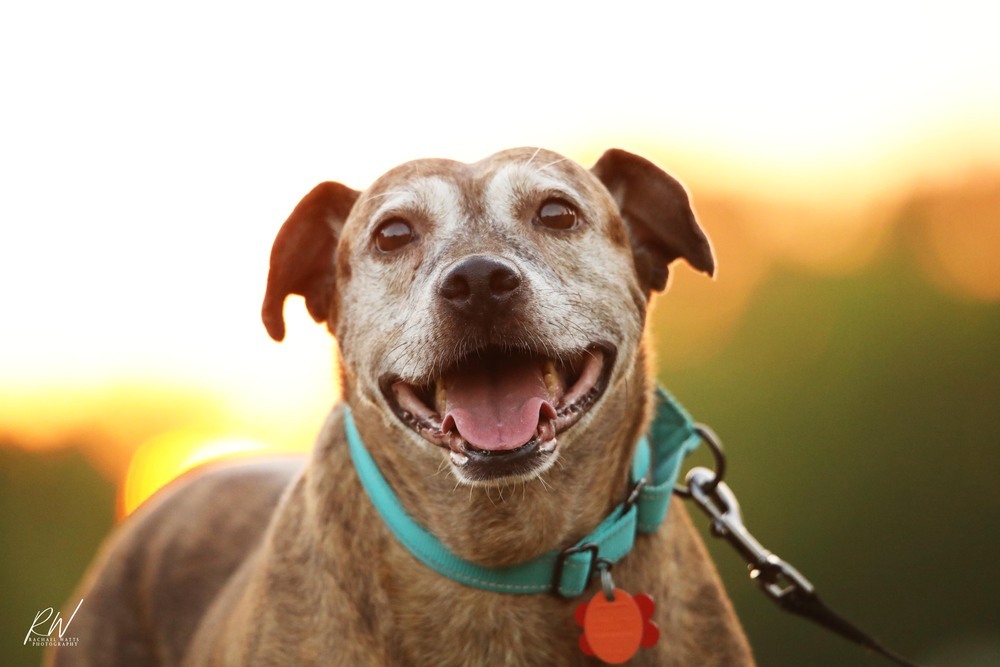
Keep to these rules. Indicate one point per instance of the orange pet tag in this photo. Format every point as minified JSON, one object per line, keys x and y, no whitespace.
{"x":613,"y":630}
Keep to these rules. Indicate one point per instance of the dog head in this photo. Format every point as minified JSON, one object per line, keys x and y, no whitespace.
{"x":486,"y":308}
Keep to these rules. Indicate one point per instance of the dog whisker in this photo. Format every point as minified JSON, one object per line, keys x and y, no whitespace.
{"x":380,"y":195}
{"x":550,"y":164}
{"x":546,"y":485}
{"x":442,"y":467}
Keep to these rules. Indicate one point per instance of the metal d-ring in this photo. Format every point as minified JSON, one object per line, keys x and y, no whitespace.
{"x":709,"y":437}
{"x":607,"y":583}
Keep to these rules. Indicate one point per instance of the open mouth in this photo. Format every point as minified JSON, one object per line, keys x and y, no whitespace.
{"x":499,"y":412}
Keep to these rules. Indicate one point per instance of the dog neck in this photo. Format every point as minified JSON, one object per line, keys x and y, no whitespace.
{"x":510,"y":523}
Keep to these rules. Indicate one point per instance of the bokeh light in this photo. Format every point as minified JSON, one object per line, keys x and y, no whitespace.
{"x":161,"y":459}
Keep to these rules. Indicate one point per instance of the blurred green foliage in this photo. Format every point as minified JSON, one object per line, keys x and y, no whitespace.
{"x":861,"y":416}
{"x":862,"y":419}
{"x":54,"y":511}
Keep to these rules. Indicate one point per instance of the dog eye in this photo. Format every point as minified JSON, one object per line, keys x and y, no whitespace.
{"x":393,"y":234}
{"x":556,"y":214}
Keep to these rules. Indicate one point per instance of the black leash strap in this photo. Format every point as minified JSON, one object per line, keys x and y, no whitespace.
{"x":777,"y":579}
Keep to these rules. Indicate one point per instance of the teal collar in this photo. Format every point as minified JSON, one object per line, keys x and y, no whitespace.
{"x":657,"y":461}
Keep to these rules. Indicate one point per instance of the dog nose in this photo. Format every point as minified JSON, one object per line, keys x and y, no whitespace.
{"x":480,"y":285}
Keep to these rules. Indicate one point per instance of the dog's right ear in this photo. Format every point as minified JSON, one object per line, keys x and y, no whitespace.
{"x":302,"y":255}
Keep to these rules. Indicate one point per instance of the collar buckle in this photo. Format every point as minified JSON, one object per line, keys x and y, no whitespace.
{"x":590,"y":547}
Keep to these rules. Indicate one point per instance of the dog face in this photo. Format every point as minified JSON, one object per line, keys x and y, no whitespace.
{"x":486,"y":308}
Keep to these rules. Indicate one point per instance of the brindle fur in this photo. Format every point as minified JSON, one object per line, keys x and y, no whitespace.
{"x":280,"y":563}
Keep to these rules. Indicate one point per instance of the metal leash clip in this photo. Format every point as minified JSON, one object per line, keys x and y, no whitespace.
{"x":777,"y":579}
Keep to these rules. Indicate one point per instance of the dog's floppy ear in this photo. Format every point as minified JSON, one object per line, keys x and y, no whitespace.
{"x":302,"y":255}
{"x":656,"y":211}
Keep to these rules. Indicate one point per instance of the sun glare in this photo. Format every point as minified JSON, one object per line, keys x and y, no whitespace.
{"x":167,"y":456}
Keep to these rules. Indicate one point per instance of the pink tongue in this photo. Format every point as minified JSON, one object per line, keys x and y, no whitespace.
{"x":496,"y":405}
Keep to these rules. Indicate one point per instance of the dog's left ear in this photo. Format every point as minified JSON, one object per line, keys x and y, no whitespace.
{"x":656,"y":211}
{"x":302,"y":255}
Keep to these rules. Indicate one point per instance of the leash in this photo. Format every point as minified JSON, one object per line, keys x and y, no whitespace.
{"x":777,"y":579}
{"x":568,"y":572}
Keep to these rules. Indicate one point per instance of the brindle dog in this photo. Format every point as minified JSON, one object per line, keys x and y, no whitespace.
{"x":490,"y":321}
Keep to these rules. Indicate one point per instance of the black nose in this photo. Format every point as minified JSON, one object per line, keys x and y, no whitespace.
{"x":480,"y":286}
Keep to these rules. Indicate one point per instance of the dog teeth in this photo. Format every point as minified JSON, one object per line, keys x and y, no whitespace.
{"x":551,"y":377}
{"x":439,"y":396}
{"x":458,"y":458}
{"x":454,"y":441}
{"x":546,"y":433}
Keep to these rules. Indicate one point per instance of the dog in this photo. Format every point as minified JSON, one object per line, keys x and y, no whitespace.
{"x":490,"y":321}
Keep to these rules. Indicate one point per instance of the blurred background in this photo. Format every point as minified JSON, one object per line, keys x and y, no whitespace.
{"x":845,"y":161}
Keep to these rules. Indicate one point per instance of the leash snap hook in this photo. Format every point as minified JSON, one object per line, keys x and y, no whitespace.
{"x":779,"y":579}
{"x":776,"y":577}
{"x":709,"y":437}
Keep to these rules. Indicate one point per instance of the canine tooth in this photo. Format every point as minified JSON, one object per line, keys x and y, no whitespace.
{"x":547,"y":446}
{"x":551,"y":377}
{"x":546,"y":432}
{"x":458,"y":458}
{"x":439,"y":396}
{"x":455,"y":440}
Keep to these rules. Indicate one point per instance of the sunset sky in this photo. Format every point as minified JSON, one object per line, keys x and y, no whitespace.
{"x":147,"y":158}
